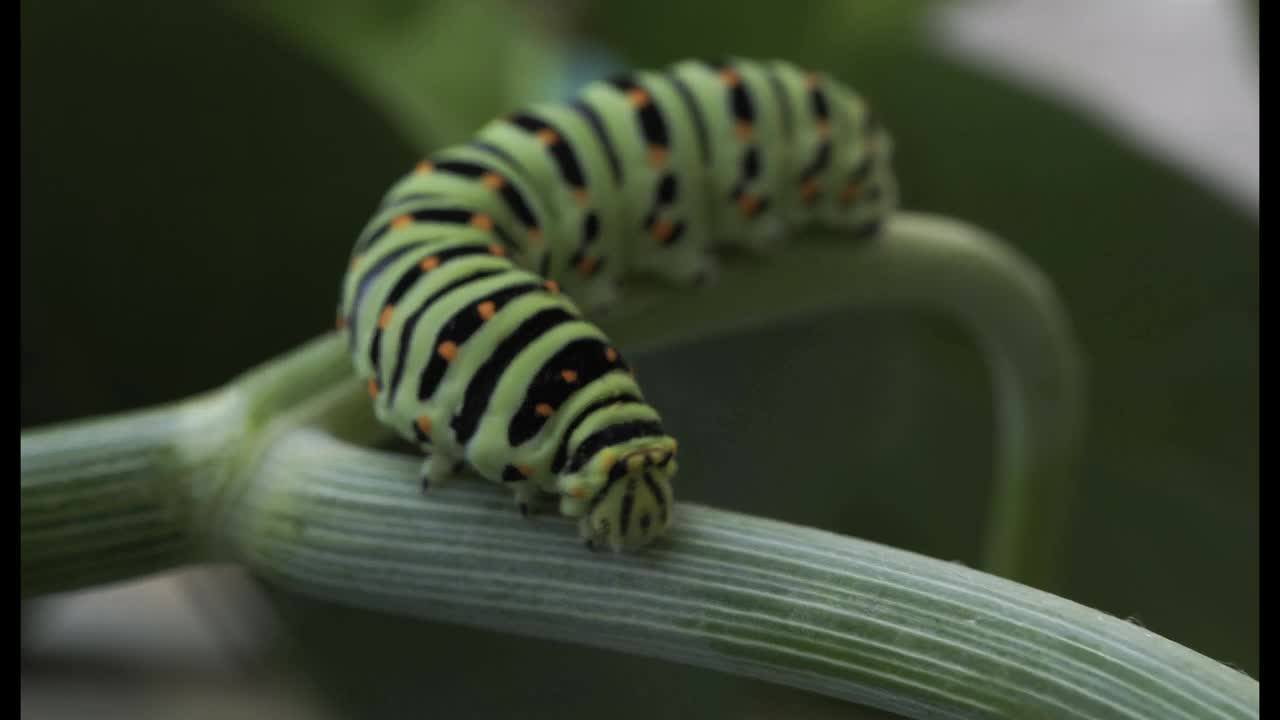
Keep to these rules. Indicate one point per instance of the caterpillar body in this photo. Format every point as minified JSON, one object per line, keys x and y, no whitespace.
{"x":464,"y":298}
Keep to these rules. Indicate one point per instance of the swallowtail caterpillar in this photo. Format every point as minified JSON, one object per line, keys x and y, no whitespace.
{"x":463,"y":302}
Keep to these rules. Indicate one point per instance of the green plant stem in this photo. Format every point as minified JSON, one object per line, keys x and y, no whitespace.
{"x":130,"y":494}
{"x":243,"y":474}
{"x":942,"y":266}
{"x":754,"y":597}
{"x":935,"y":263}
{"x":116,"y":497}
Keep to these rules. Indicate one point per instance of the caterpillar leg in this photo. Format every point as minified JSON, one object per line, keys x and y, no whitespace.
{"x":767,"y":240}
{"x":699,"y":270}
{"x":526,"y":496}
{"x":599,"y":298}
{"x":438,"y":469}
{"x":573,"y":507}
{"x":704,"y":274}
{"x":531,"y":497}
{"x":593,"y":539}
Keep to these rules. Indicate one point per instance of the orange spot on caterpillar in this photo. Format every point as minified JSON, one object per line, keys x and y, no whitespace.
{"x":497,"y":250}
{"x":481,"y":221}
{"x":493,"y":181}
{"x":578,"y":492}
{"x":544,"y":410}
{"x":552,"y":287}
{"x":748,"y":202}
{"x":356,"y":261}
{"x":809,"y":188}
{"x":524,"y":470}
{"x":730,"y":77}
{"x":824,"y":126}
{"x":611,"y":355}
{"x":486,"y":309}
{"x":570,"y":376}
{"x":638,"y":97}
{"x":447,"y":350}
{"x":587,"y":265}
{"x":743,"y":130}
{"x":429,"y":264}
{"x":384,"y":319}
{"x":424,"y":424}
{"x":663,"y":229}
{"x":812,"y":79}
{"x":423,"y":167}
{"x":535,"y":236}
{"x":401,"y":222}
{"x":850,"y":192}
{"x":657,"y":156}
{"x":580,"y":196}
{"x":548,"y":137}
{"x":342,"y":321}
{"x":373,"y":387}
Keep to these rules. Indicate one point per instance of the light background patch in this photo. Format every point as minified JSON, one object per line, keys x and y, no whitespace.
{"x":1178,"y":78}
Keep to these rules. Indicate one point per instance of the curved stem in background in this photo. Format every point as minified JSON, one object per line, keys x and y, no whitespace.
{"x":943,"y":266}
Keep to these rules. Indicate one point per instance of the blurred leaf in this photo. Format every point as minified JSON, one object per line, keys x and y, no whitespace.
{"x":439,"y":68}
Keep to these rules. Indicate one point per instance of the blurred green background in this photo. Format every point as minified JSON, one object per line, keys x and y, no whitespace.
{"x":192,"y":176}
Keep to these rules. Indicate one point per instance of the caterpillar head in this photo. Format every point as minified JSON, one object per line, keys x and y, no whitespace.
{"x":624,"y":495}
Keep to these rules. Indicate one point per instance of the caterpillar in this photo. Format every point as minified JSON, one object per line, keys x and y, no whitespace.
{"x":465,"y":298}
